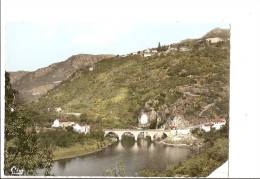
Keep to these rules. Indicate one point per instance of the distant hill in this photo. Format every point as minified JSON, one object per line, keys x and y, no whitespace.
{"x":32,"y":85}
{"x":16,"y":76}
{"x":218,"y":32}
{"x":189,"y":79}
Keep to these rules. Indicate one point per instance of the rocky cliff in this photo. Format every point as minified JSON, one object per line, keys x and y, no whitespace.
{"x":32,"y":85}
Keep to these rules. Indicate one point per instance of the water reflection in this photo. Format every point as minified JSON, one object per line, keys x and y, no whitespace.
{"x":128,"y":141}
{"x":135,"y":155}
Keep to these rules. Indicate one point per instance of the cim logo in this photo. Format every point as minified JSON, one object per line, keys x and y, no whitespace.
{"x":16,"y":171}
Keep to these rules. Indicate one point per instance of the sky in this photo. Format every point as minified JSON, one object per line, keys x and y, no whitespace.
{"x":39,"y":33}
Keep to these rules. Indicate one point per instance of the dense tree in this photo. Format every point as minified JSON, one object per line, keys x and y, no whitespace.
{"x":21,"y":142}
{"x":84,"y":118}
{"x":159,"y":47}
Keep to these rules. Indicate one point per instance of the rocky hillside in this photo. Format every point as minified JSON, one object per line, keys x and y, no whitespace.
{"x":32,"y":85}
{"x":15,"y":76}
{"x":188,"y":80}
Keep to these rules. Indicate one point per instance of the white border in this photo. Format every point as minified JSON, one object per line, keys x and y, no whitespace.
{"x":243,"y":160}
{"x":3,"y":22}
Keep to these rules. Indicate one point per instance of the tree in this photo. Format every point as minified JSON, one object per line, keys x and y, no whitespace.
{"x":159,"y":47}
{"x":84,"y":118}
{"x":21,"y":149}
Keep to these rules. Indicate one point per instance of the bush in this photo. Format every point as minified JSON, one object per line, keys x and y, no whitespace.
{"x":97,"y":134}
{"x":61,"y":138}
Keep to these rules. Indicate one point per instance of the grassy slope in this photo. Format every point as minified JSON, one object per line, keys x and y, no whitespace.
{"x":79,"y":149}
{"x":118,"y":88}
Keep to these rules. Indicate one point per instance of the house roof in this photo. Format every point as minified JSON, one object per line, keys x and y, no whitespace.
{"x":62,"y":120}
{"x":219,"y":120}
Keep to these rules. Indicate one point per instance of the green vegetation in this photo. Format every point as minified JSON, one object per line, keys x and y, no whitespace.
{"x":118,"y":170}
{"x":213,"y":154}
{"x":21,"y":147}
{"x":115,"y":92}
{"x":68,"y":144}
{"x":82,"y":148}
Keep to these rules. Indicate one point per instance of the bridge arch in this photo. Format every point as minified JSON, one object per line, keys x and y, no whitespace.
{"x":128,"y":133}
{"x":107,"y":134}
{"x":164,"y":134}
{"x":156,"y":133}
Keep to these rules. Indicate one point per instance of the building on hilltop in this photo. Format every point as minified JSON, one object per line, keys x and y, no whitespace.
{"x":214,"y":40}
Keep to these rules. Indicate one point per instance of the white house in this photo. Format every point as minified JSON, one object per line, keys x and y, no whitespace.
{"x":144,"y":119}
{"x":171,"y":49}
{"x":206,"y":127}
{"x":219,"y":123}
{"x":154,"y":51}
{"x":184,"y":49}
{"x":60,"y":123}
{"x":147,"y":54}
{"x":56,"y":123}
{"x":36,"y":93}
{"x":74,"y":114}
{"x":174,"y":132}
{"x":214,"y":40}
{"x":58,"y":109}
{"x":81,"y":129}
{"x":183,"y":131}
{"x":91,"y":68}
{"x":85,"y":129}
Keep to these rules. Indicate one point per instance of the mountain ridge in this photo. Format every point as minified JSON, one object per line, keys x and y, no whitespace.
{"x":32,"y":85}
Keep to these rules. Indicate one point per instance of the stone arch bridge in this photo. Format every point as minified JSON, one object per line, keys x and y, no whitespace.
{"x":137,"y":132}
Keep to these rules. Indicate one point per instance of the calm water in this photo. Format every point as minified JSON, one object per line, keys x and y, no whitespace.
{"x":135,"y":157}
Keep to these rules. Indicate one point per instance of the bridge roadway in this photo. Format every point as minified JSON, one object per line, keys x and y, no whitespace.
{"x":149,"y":132}
{"x":137,"y":132}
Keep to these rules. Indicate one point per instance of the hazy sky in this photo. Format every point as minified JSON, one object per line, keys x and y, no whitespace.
{"x":43,"y":32}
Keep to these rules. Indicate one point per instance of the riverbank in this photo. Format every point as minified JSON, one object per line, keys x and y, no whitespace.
{"x":182,"y":141}
{"x":77,"y":150}
{"x":175,"y":145}
{"x":212,"y":153}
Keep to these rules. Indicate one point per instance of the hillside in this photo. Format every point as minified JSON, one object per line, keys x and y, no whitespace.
{"x":217,"y":32}
{"x":193,"y":84}
{"x":16,"y":76}
{"x":32,"y":85}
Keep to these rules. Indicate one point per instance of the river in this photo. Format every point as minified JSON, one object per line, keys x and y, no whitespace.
{"x":134,"y":156}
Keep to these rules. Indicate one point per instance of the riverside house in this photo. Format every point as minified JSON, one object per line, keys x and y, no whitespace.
{"x":62,"y":123}
{"x":81,"y":129}
{"x":76,"y":127}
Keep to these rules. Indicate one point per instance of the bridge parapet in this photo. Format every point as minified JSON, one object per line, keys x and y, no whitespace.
{"x":137,"y":132}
